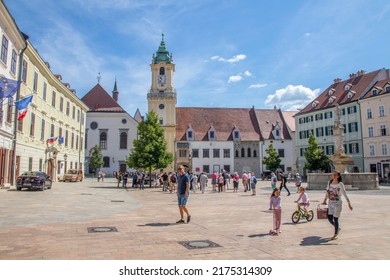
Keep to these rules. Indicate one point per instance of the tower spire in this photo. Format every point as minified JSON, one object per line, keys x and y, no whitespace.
{"x":115,"y":92}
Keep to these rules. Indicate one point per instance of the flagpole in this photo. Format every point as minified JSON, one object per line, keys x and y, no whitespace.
{"x":15,"y":132}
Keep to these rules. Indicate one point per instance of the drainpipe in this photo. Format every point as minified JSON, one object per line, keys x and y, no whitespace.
{"x":15,"y":132}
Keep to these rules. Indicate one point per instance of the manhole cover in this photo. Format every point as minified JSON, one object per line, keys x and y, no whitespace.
{"x":199,"y":244}
{"x":101,"y":229}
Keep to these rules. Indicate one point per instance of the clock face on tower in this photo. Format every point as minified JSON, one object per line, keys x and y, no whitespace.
{"x":161,"y":79}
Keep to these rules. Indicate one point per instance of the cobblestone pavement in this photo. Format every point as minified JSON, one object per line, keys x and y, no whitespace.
{"x":98,"y":221}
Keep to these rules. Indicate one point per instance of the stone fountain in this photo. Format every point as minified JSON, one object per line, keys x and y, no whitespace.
{"x":340,"y":161}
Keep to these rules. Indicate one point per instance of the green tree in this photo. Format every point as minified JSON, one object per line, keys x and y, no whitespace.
{"x":272,"y":161}
{"x":315,"y":157}
{"x":96,"y":160}
{"x":150,"y":149}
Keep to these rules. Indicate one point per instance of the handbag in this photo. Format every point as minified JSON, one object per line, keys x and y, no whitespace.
{"x":322,"y":211}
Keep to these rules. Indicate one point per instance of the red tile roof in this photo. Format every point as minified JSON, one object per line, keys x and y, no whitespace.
{"x":97,"y":99}
{"x":359,"y":83}
{"x":268,"y":119}
{"x":223,"y":120}
{"x":380,"y":86}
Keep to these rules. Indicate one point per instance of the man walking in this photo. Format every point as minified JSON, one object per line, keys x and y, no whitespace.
{"x":183,"y":191}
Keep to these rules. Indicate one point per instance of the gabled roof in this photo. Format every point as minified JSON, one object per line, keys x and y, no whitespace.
{"x":97,"y":99}
{"x":268,"y":119}
{"x":223,"y":120}
{"x":380,"y":86}
{"x":359,"y":85}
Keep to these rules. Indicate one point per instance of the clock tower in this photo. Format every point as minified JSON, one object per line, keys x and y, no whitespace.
{"x":162,"y":95}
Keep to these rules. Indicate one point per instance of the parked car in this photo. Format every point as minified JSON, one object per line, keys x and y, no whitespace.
{"x":33,"y":180}
{"x":73,"y":175}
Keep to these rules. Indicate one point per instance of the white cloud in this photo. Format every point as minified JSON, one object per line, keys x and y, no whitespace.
{"x":258,"y":85}
{"x":235,"y":58}
{"x":247,"y":73}
{"x":234,"y":79}
{"x":292,"y":97}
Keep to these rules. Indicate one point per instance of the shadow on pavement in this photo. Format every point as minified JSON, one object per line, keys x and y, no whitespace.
{"x":258,"y":235}
{"x":315,"y":240}
{"x":157,"y":225}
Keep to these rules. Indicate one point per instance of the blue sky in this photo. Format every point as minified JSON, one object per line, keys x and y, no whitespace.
{"x":231,"y":53}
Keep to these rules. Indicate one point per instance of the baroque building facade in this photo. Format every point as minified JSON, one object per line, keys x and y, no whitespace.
{"x":110,"y":127}
{"x":318,"y":118}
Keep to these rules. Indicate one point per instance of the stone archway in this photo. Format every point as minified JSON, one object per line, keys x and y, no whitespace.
{"x":51,"y":160}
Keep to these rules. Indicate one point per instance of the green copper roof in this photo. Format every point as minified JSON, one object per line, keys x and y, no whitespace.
{"x":162,"y":54}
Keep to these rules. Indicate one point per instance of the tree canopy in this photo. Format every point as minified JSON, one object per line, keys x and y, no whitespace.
{"x":96,"y":159}
{"x":315,"y":157}
{"x":272,"y":161}
{"x":150,"y":149}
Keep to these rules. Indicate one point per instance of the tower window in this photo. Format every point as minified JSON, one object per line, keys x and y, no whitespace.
{"x":162,"y":71}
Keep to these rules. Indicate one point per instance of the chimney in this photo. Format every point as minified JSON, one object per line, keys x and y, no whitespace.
{"x":115,"y":92}
{"x":353,"y":75}
{"x":337,"y":80}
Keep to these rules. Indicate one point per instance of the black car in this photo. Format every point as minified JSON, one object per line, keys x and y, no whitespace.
{"x":33,"y":180}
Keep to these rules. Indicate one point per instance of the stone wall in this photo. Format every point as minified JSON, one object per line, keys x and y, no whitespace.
{"x":356,"y":181}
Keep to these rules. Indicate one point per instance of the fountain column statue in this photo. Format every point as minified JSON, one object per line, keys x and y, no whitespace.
{"x":340,"y":160}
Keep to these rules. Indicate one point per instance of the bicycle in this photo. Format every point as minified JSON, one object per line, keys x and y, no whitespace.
{"x":300,"y":212}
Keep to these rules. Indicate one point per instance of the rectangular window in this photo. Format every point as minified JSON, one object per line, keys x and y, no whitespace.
{"x":67,"y":108}
{"x":44,"y":91}
{"x":330,"y":150}
{"x":226,"y":168}
{"x":35,"y":84}
{"x":183,"y":153}
{"x":226,"y":153}
{"x":40,"y":164}
{"x":61,"y":104}
{"x":370,"y":131}
{"x":383,"y":130}
{"x":30,"y":164}
{"x":53,"y":99}
{"x":369,"y":113}
{"x":384,"y":149}
{"x":352,"y":110}
{"x":73,"y":112}
{"x":78,"y":115}
{"x":24,"y":71}
{"x":77,"y":142}
{"x":281,"y":153}
{"x":195,"y":153}
{"x":372,"y":150}
{"x":328,"y":115}
{"x":353,"y":127}
{"x":14,"y":59}
{"x":206,"y":168}
{"x":43,"y":129}
{"x":189,"y":134}
{"x":329,"y":130}
{"x":215,"y":153}
{"x":212,"y":135}
{"x":381,"y":111}
{"x":66,"y":138}
{"x":4,"y":50}
{"x":32,"y":124}
{"x":354,"y":148}
{"x":72,"y":141}
{"x":206,"y":153}
{"x":319,"y":131}
{"x":9,"y":110}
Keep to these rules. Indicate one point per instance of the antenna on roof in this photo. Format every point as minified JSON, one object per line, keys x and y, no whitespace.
{"x":99,"y":77}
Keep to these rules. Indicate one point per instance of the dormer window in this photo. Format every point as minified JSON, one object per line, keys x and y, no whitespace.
{"x":351,"y":94}
{"x":236,"y":134}
{"x":331,"y":91}
{"x":388,"y":88}
{"x":347,"y":86}
{"x":276,"y":132}
{"x":331,"y":99}
{"x":314,"y":104}
{"x":190,"y":134}
{"x":212,"y":135}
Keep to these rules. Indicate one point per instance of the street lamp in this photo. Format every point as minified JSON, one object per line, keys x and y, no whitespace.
{"x":190,"y":161}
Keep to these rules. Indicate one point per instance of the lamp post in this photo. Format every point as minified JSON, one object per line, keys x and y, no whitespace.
{"x":65,"y":158}
{"x":190,"y":161}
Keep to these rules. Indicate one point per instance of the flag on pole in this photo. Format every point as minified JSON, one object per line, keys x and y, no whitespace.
{"x":51,"y":139}
{"x":22,"y":114}
{"x":23,"y":103}
{"x":8,"y":87}
{"x":60,"y":140}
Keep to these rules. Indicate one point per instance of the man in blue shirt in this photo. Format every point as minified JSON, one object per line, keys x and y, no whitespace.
{"x":183,"y":191}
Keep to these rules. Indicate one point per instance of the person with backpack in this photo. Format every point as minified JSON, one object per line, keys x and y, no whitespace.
{"x":253,"y":182}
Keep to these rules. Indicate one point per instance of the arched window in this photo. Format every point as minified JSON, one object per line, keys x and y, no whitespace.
{"x":242,"y":152}
{"x":103,"y":141}
{"x":237,"y":154}
{"x":123,"y":141}
{"x":249,"y":152}
{"x":162,"y":71}
{"x":254,"y":153}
